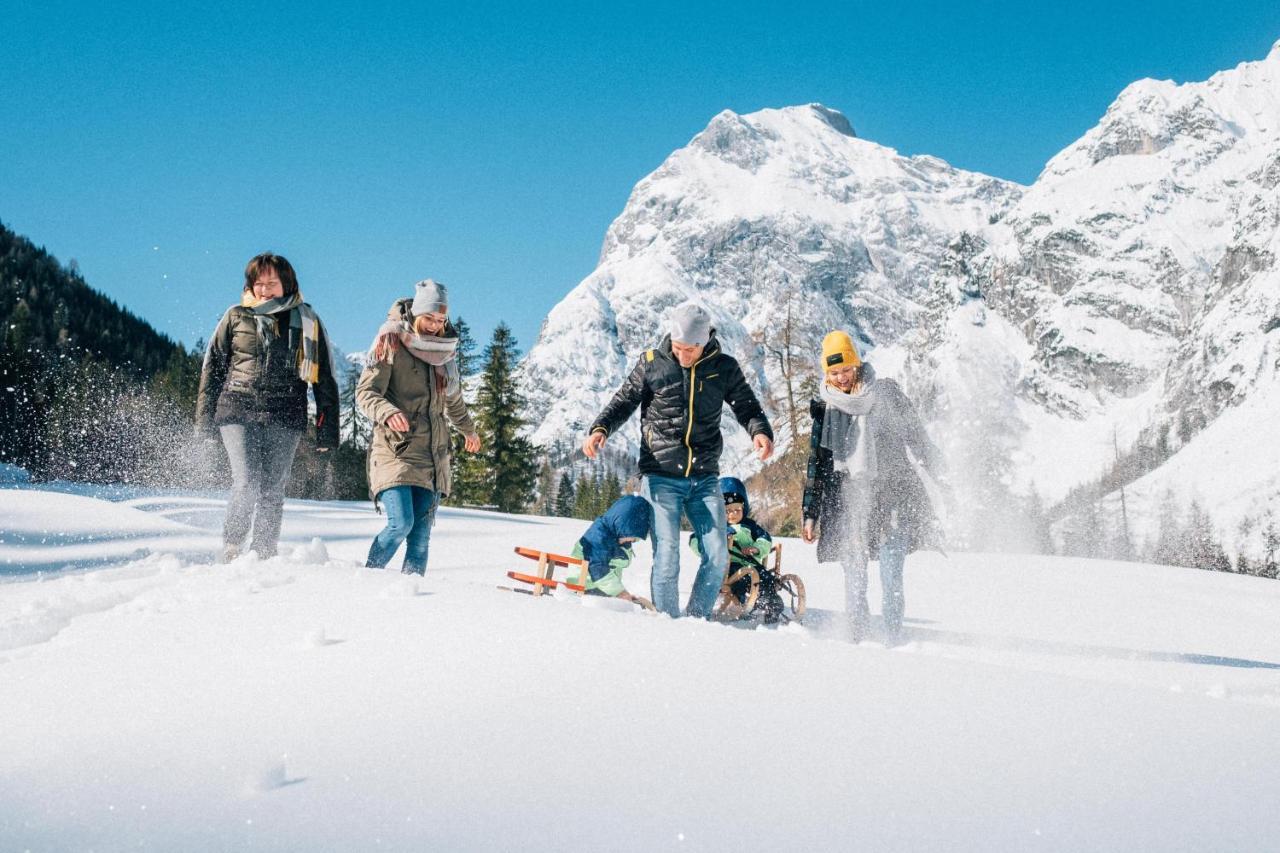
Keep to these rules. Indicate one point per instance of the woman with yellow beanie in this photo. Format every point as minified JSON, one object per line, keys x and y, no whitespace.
{"x":863,"y":491}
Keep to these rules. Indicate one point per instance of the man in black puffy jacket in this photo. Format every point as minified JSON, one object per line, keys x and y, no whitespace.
{"x":681,"y":387}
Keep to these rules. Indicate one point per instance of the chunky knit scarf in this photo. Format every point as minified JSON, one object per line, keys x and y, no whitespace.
{"x":441,"y":353}
{"x":845,"y":427}
{"x":301,"y":316}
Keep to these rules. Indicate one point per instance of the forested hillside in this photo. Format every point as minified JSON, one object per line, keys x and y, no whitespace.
{"x":88,"y":390}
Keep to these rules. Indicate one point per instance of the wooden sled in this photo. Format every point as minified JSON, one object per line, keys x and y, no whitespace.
{"x":543,"y":580}
{"x":731,"y":608}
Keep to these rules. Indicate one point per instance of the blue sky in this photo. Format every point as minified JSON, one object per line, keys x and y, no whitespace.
{"x":490,"y":145}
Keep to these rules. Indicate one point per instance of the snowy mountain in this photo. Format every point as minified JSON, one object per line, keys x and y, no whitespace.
{"x":760,"y":215}
{"x":1137,"y":278}
{"x":1114,"y":309}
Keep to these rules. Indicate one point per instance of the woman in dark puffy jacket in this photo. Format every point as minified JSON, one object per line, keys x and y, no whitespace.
{"x":261,"y":359}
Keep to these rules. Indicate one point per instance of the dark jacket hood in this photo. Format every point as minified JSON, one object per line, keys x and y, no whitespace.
{"x":630,"y":515}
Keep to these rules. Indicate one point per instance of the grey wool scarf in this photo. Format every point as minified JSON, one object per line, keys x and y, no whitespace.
{"x":846,"y":427}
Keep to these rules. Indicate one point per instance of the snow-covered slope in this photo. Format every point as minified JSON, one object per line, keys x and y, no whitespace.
{"x":305,"y":703}
{"x":1127,"y":298}
{"x":1143,"y":268}
{"x":1142,"y":258}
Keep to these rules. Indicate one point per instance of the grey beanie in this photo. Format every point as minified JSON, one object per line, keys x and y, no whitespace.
{"x":690,"y":324}
{"x":430,"y":297}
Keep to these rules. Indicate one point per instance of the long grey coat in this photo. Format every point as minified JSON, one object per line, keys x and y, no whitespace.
{"x":898,"y":498}
{"x":420,"y":457}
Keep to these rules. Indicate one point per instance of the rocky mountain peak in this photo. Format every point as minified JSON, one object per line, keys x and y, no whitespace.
{"x":1120,"y":305}
{"x":838,"y":121}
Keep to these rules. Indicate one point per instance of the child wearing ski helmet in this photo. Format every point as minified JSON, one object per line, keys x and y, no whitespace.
{"x":606,"y":546}
{"x":749,"y":546}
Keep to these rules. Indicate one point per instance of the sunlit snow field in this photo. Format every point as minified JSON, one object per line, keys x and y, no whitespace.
{"x":152,"y":700}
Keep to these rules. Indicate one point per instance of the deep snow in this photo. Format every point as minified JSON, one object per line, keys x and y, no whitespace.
{"x":305,"y":703}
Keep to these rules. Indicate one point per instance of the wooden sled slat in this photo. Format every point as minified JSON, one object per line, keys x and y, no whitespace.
{"x":554,"y":559}
{"x":547,"y":582}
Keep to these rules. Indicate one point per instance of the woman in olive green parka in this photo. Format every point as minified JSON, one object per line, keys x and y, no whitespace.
{"x":266,"y":353}
{"x":412,"y":391}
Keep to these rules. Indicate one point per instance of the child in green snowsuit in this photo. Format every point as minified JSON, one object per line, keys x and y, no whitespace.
{"x":606,"y":546}
{"x":749,"y":546}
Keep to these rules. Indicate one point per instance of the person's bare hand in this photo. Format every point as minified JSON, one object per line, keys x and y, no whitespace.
{"x":594,"y":443}
{"x":471,"y":443}
{"x":398,"y":422}
{"x":809,"y":534}
{"x":764,"y":446}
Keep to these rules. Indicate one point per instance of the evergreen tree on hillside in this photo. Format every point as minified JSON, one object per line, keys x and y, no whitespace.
{"x":610,"y":491}
{"x":468,"y":469}
{"x":564,"y":496}
{"x":179,"y":381}
{"x":355,"y":432}
{"x":354,"y":427}
{"x":53,"y":308}
{"x":88,"y":391}
{"x":584,"y":498}
{"x":1270,"y":547}
{"x":546,"y":490}
{"x":466,"y":348}
{"x":511,"y":467}
{"x":1205,"y":551}
{"x":1171,"y":541}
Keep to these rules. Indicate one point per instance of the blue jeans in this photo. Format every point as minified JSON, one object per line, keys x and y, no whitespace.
{"x":411,"y":510}
{"x":700,"y":500}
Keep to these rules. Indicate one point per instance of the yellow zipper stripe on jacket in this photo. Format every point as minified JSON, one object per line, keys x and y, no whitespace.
{"x":688,"y":432}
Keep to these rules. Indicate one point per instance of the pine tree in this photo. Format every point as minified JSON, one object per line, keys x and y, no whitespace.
{"x":466,"y":348}
{"x":1205,"y":550}
{"x":1270,"y":546}
{"x":584,"y":498}
{"x":564,"y":496}
{"x":353,"y":426}
{"x":349,"y":466}
{"x":511,"y":460}
{"x":1170,"y":545}
{"x":1041,"y":531}
{"x":610,"y":491}
{"x":546,"y":490}
{"x":468,"y":469}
